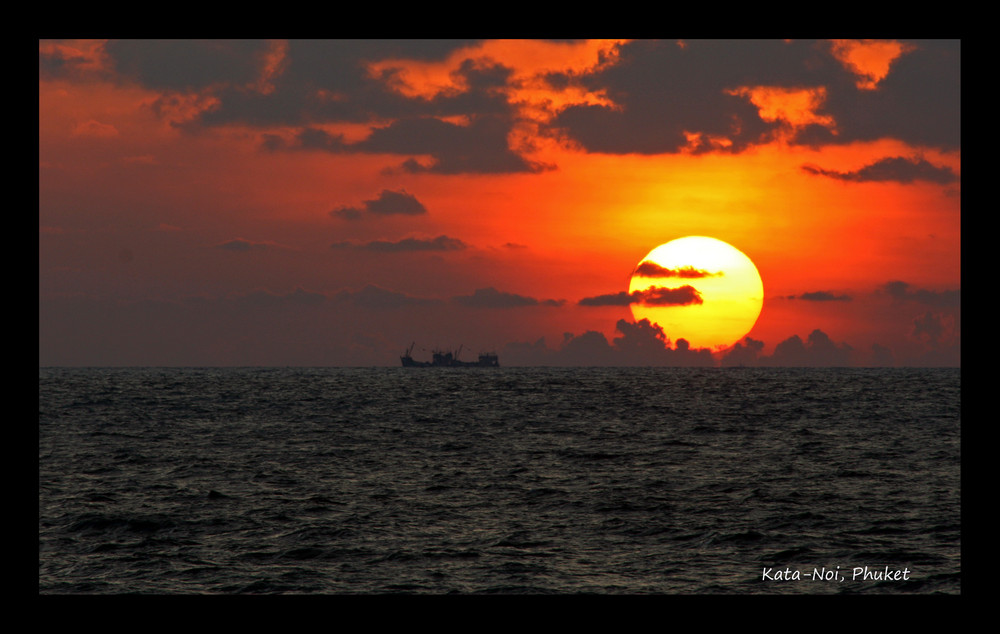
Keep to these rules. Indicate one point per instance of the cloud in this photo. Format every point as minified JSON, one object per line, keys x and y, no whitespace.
{"x":918,"y":101}
{"x":928,"y":327}
{"x":639,"y":344}
{"x":482,"y":147}
{"x":818,"y":350}
{"x":614,"y":299}
{"x":95,"y":128}
{"x":187,"y":65}
{"x":882,"y":356}
{"x":939,"y":337}
{"x":388,"y":203}
{"x":651,"y":269}
{"x":374,"y":297}
{"x":935,"y":329}
{"x":902,"y":291}
{"x":62,"y":59}
{"x":662,"y":92}
{"x":660,"y":296}
{"x":241,"y":245}
{"x":492,"y":298}
{"x":479,"y":147}
{"x":306,"y":84}
{"x":440,"y":243}
{"x":743,"y":353}
{"x":652,"y":296}
{"x":869,"y":60}
{"x":896,"y":169}
{"x":792,"y":108}
{"x":655,"y":96}
{"x":711,"y":95}
{"x":821,"y":296}
{"x":297,"y":297}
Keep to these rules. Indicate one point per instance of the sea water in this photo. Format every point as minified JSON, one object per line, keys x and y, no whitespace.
{"x":509,"y":480}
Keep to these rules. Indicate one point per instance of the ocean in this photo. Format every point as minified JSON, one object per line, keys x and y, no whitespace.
{"x":671,"y":481}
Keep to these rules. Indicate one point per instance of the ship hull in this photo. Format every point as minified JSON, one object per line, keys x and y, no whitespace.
{"x":447,"y":361}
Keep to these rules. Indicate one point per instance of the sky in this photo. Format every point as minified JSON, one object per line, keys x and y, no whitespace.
{"x":331,"y":202}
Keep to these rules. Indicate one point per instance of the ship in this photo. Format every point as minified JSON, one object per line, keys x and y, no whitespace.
{"x":447,"y":359}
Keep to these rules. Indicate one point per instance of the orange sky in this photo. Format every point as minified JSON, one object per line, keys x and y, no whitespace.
{"x":229,"y":203}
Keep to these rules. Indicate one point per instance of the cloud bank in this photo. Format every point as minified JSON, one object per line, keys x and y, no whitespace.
{"x":656,"y":97}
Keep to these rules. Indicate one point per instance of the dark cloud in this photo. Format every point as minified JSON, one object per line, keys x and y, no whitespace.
{"x":483,"y":82}
{"x":938,"y":336}
{"x":440,"y":243}
{"x":660,"y":296}
{"x":936,"y":329}
{"x":904,"y":292}
{"x":262,"y":298}
{"x":918,"y":102}
{"x":614,"y":299}
{"x":639,"y":344}
{"x":818,"y":350}
{"x":663,"y":91}
{"x":312,"y":139}
{"x":187,"y":64}
{"x":882,"y":356}
{"x":492,"y":298}
{"x":481,"y":147}
{"x":239,"y":244}
{"x":652,"y":269}
{"x":320,"y":82}
{"x":518,"y":353}
{"x":374,"y":297}
{"x":897,"y":169}
{"x":652,"y":296}
{"x":743,"y":353}
{"x":821,"y":296}
{"x":662,"y":94}
{"x":61,"y":60}
{"x":588,"y":349}
{"x":388,"y":203}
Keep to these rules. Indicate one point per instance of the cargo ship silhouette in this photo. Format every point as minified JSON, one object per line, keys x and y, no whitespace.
{"x":446,"y":359}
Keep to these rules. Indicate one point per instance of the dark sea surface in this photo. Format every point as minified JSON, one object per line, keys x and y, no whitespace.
{"x":509,"y":480}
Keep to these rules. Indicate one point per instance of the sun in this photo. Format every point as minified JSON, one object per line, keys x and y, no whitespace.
{"x":699,"y":289}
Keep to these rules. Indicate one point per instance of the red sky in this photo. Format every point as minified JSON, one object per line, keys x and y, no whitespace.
{"x":329,"y":202}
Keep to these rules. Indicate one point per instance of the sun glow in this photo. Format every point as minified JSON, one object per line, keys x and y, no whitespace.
{"x":699,"y":289}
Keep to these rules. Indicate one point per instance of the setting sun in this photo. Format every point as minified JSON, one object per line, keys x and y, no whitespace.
{"x":699,"y":289}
